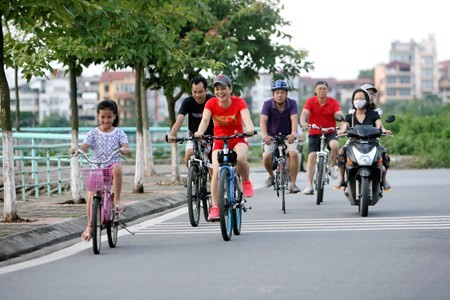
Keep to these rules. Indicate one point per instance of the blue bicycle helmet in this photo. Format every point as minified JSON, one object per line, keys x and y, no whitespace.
{"x":279,"y":85}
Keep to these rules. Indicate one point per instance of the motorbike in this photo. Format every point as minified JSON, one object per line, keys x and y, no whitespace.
{"x":364,"y":166}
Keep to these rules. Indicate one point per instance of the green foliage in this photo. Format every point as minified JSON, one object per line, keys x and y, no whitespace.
{"x":54,"y":120}
{"x":421,"y":129}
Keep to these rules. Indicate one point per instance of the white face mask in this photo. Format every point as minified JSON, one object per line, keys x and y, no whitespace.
{"x":359,"y":103}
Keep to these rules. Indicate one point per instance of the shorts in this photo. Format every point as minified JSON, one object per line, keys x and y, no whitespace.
{"x":218,"y":144}
{"x":268,"y":149}
{"x":314,"y":141}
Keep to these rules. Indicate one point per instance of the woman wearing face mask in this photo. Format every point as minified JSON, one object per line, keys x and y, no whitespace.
{"x":361,"y":115}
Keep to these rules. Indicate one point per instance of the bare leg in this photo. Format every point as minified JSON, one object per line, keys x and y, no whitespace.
{"x":310,"y":168}
{"x":117,"y":182}
{"x":293,"y":166}
{"x":334,"y":146}
{"x":215,"y":179}
{"x":242,"y":165}
{"x":267,"y":161}
{"x":187,"y":156}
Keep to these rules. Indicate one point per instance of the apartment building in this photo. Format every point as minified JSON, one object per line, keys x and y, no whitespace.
{"x":411,"y":73}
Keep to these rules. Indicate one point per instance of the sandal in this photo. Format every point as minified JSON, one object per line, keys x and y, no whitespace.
{"x":87,"y":234}
{"x":386,"y":186}
{"x":343,"y":184}
{"x":120,"y":208}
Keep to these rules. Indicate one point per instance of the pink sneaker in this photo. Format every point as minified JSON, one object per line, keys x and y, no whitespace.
{"x":248,"y":189}
{"x":213,"y":213}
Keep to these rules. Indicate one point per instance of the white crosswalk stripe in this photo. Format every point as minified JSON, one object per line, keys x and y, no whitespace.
{"x":302,"y":225}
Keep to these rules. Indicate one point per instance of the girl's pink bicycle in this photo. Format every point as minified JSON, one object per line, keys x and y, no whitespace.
{"x":103,"y":212}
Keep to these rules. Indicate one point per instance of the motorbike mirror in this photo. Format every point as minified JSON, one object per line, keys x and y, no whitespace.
{"x":339,"y":118}
{"x":390,"y":119}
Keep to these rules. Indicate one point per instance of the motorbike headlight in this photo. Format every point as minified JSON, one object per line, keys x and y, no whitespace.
{"x":365,"y":159}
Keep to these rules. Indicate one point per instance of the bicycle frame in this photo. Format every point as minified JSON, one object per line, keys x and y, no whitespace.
{"x":322,"y":158}
{"x":231,"y":198}
{"x":281,"y":174}
{"x":197,"y":178}
{"x":103,"y":213}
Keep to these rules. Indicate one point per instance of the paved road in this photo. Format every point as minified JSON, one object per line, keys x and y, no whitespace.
{"x":400,"y":251}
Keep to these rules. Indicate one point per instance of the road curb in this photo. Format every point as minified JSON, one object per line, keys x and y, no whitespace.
{"x":25,"y":242}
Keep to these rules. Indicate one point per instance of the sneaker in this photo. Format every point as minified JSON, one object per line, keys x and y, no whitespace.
{"x":333,"y":172}
{"x":308,"y":191}
{"x":213,"y":213}
{"x":294,"y":189}
{"x":269,"y":181}
{"x":248,"y":189}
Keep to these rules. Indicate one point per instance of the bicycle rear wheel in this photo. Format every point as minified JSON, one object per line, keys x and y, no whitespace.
{"x":225,"y":209}
{"x":237,"y":211}
{"x":193,"y":195}
{"x":112,"y":222}
{"x":96,"y":215}
{"x":206,"y":201}
{"x":320,"y":180}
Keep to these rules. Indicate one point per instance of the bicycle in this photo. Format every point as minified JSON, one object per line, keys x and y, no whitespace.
{"x":198,"y":195}
{"x":279,"y":157}
{"x":231,"y":196}
{"x":321,"y":173}
{"x":103,"y":212}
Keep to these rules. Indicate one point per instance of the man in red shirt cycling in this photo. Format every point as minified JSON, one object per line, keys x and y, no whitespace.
{"x":321,"y":111}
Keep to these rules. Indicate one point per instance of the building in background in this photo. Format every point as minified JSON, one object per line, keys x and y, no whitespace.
{"x":411,"y":73}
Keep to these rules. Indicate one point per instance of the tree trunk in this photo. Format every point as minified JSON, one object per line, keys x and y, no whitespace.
{"x":139,"y":174}
{"x":9,"y":184}
{"x":175,"y":166}
{"x":16,"y":81}
{"x":149,"y":165}
{"x":74,"y":165}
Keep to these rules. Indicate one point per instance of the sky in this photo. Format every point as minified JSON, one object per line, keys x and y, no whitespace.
{"x":345,"y":36}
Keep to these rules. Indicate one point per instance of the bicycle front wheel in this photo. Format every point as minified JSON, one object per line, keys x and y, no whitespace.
{"x":225,"y":209}
{"x":96,"y":222}
{"x":284,"y":185}
{"x":112,"y":223}
{"x":320,"y":179}
{"x":193,"y":195}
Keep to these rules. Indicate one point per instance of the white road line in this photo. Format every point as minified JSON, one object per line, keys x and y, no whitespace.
{"x":300,"y":225}
{"x":81,"y":246}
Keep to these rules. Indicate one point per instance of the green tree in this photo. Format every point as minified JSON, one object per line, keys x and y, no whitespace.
{"x":55,"y":120}
{"x":28,"y":17}
{"x":363,"y":74}
{"x":234,"y":37}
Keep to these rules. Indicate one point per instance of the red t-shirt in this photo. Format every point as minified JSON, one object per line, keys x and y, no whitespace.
{"x":227,"y":120}
{"x":321,"y":115}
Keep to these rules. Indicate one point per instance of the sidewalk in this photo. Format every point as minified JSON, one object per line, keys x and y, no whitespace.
{"x":48,"y":221}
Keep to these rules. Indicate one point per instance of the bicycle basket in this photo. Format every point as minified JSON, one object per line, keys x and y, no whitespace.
{"x":97,"y":179}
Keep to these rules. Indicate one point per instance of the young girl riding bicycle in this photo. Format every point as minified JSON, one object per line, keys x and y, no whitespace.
{"x":103,"y":140}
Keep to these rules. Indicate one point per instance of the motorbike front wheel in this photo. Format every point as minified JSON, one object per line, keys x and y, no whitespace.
{"x":365,"y":197}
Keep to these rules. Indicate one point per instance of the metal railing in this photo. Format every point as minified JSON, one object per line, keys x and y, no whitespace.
{"x":42,"y":164}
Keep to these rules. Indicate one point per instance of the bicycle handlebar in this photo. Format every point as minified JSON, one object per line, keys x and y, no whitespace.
{"x":229,"y":137}
{"x":84,"y":155}
{"x":323,"y":129}
{"x":191,"y":138}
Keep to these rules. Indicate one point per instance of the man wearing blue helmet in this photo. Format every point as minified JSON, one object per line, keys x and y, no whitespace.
{"x":280,"y":115}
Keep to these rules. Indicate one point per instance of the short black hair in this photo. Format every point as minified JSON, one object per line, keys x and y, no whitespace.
{"x":198,"y":79}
